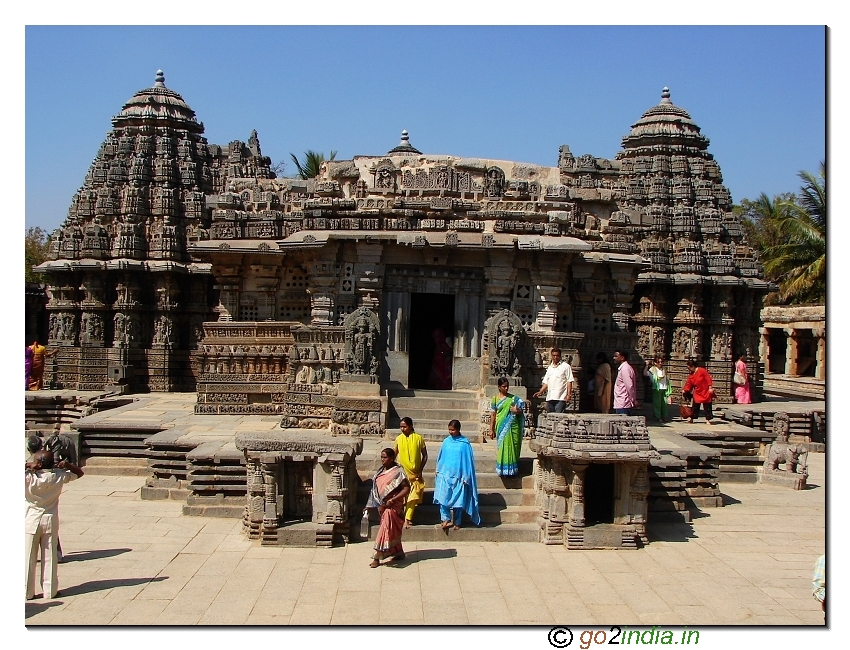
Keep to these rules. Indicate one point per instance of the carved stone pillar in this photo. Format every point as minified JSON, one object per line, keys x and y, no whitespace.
{"x":791,"y":351}
{"x":639,"y":507}
{"x":229,"y":285}
{"x":764,"y":348}
{"x":63,"y":307}
{"x":623,"y":295}
{"x":501,"y":276}
{"x":93,"y":311}
{"x":255,"y":508}
{"x":271,"y":512}
{"x":577,"y":492}
{"x":820,"y":354}
{"x":127,"y":322}
{"x":322,"y":290}
{"x":547,"y":307}
{"x":369,"y":274}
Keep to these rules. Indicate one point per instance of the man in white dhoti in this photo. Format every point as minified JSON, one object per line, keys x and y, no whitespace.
{"x":42,"y":487}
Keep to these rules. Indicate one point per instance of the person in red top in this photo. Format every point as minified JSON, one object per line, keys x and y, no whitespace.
{"x":700,"y":383}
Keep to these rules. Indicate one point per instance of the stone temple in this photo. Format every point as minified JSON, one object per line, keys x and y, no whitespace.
{"x":187,"y":266}
{"x":399,"y":284}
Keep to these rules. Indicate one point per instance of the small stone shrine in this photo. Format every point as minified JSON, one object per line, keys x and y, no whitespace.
{"x":591,"y":480}
{"x":301,"y":487}
{"x":188,"y":266}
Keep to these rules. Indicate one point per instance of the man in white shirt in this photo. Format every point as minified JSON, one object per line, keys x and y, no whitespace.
{"x":42,"y":487}
{"x":557,"y":384}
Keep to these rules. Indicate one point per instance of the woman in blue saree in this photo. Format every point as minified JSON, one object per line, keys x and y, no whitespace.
{"x":506,"y":426}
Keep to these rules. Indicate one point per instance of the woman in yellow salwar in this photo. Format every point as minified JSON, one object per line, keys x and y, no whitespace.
{"x":412,"y":456}
{"x":506,"y":425}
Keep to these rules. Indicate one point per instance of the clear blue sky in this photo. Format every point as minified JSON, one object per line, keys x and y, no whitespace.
{"x":504,"y":92}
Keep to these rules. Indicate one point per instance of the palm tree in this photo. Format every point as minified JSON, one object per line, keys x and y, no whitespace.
{"x":798,"y":260}
{"x":312,"y":163}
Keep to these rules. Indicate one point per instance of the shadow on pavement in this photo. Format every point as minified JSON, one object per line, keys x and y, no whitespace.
{"x":81,"y":556}
{"x":411,"y":557}
{"x":672,"y":532}
{"x":100,"y":585}
{"x":729,"y":501}
{"x":32,"y":608}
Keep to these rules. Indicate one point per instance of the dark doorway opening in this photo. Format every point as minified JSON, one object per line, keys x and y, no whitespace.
{"x":778,"y":345}
{"x":806,"y":351}
{"x":297,"y":482}
{"x":432,"y":317}
{"x":599,"y":494}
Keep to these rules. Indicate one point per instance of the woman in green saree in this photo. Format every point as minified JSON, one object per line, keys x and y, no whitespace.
{"x":506,"y":425}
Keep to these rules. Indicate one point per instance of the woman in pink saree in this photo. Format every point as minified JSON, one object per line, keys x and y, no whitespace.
{"x":742,"y":391}
{"x":390,"y":488}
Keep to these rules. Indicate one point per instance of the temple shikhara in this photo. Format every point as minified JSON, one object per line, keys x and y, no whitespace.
{"x":188,"y":266}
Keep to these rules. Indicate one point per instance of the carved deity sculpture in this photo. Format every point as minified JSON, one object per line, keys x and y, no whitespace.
{"x":362,"y":349}
{"x":494,"y":183}
{"x":506,"y":334}
{"x":361,"y":337}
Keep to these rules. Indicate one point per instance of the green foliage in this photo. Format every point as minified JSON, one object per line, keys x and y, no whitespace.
{"x":312,"y":163}
{"x":790,"y":233}
{"x":35,"y":251}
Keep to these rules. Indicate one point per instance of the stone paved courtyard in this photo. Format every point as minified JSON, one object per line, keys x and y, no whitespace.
{"x":142,"y":562}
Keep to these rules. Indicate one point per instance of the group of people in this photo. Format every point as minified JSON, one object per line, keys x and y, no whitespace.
{"x":398,"y":487}
{"x":34,"y":365}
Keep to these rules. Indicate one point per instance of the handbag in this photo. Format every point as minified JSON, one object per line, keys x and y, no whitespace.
{"x":686,"y":410}
{"x":738,"y":379}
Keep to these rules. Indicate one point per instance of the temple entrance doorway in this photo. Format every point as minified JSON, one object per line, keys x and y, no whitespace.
{"x":432,"y":317}
{"x":599,"y":494}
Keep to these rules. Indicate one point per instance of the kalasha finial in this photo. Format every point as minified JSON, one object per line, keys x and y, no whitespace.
{"x":405,"y":138}
{"x":665,"y":96}
{"x":160,"y":78}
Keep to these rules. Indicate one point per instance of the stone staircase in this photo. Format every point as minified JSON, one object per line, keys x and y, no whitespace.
{"x":431,"y":411}
{"x":506,"y":504}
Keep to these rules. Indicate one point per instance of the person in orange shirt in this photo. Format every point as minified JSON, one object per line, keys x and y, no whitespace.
{"x":700,"y":383}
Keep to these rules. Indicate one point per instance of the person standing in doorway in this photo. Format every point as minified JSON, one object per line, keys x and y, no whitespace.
{"x":412,"y":455}
{"x":603,"y":388}
{"x":557,"y":383}
{"x":661,"y":388}
{"x":625,"y":386}
{"x":700,"y":383}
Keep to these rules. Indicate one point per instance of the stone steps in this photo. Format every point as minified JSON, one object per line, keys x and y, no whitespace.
{"x":437,"y":435}
{"x":505,"y":532}
{"x":367,"y":464}
{"x":431,"y":411}
{"x":110,"y":466}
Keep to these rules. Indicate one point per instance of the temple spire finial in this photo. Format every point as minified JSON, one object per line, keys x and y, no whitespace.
{"x":665,"y":96}
{"x":160,"y":78}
